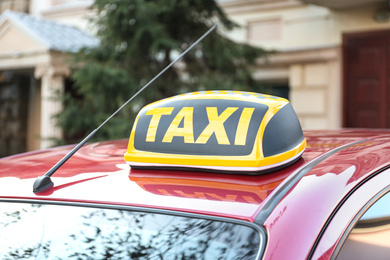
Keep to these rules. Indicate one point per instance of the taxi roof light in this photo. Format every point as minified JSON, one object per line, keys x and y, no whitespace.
{"x":225,"y":131}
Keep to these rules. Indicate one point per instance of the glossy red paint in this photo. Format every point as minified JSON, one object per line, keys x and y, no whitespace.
{"x":300,"y":216}
{"x":98,"y":173}
{"x":378,"y":184}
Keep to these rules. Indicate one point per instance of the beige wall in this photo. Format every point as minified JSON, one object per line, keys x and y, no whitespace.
{"x":291,"y":24}
{"x":310,"y":94}
{"x":308,"y":42}
{"x":70,"y":12}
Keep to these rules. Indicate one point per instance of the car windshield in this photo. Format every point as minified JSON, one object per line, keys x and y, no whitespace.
{"x":42,"y":231}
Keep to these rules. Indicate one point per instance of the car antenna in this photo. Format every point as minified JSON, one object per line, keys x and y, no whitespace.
{"x":44,"y":182}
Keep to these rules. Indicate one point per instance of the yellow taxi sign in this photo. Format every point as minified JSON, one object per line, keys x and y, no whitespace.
{"x":228,"y":131}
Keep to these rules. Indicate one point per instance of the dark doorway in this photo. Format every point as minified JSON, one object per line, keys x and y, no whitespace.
{"x":366,"y":58}
{"x":14,"y":93}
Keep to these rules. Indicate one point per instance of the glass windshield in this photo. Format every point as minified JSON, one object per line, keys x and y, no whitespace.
{"x":37,"y":231}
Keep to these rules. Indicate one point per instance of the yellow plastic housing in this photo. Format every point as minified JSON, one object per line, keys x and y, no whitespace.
{"x":228,"y":131}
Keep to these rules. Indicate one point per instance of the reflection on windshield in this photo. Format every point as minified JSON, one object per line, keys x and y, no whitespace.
{"x":62,"y":232}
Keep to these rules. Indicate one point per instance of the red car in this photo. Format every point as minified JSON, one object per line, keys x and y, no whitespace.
{"x":329,"y":200}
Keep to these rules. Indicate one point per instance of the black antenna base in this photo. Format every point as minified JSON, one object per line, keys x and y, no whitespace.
{"x":42,"y":183}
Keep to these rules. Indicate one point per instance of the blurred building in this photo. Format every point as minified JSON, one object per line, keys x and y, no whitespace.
{"x":331,"y":60}
{"x":333,"y":55}
{"x":36,"y":39}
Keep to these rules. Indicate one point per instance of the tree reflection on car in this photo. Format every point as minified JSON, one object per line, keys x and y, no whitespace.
{"x":86,"y":233}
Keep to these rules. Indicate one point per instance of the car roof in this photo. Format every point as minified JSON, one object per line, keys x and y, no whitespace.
{"x":97,"y":173}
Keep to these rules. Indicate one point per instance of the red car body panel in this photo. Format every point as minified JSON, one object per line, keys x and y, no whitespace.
{"x":97,"y":174}
{"x":300,"y":216}
{"x":347,"y":213}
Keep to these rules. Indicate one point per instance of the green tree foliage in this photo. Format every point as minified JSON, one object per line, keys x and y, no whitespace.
{"x":138,"y":39}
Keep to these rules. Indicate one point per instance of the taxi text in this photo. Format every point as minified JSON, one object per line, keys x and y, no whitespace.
{"x":185,"y":118}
